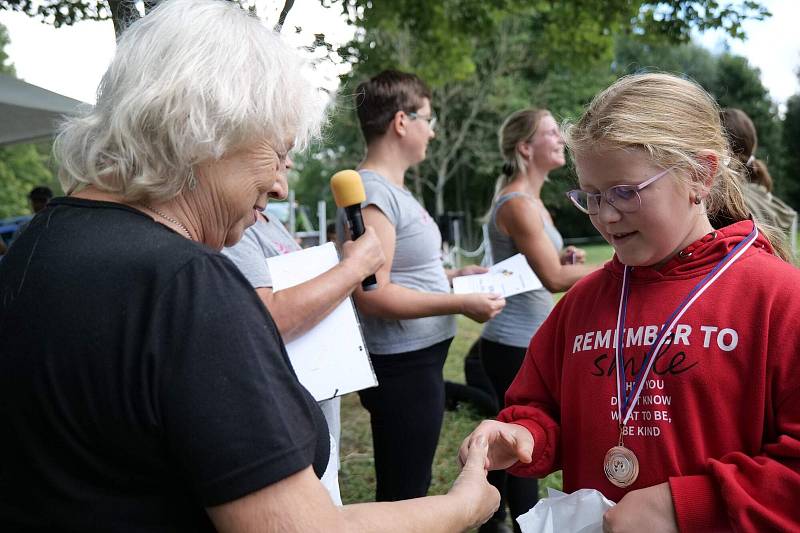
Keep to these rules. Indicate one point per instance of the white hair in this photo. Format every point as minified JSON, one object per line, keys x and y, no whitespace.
{"x":191,"y":81}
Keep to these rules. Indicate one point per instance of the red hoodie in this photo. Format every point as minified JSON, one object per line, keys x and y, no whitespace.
{"x":719,"y":417}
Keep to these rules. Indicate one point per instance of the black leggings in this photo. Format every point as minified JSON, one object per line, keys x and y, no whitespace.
{"x":502,"y":363}
{"x":406,"y":411}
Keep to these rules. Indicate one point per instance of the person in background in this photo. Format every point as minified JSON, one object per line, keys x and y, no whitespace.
{"x":757,"y":183}
{"x":297,"y":309}
{"x":668,"y":381}
{"x":477,"y":391}
{"x":408,"y":321}
{"x":518,"y":221}
{"x":143,"y":384}
{"x":37,"y":199}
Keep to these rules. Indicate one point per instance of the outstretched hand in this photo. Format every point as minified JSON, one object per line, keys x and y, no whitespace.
{"x":481,"y":498}
{"x":508,"y":444}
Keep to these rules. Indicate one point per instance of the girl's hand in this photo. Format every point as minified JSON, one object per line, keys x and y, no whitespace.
{"x":508,"y":444}
{"x":572,"y":256}
{"x":647,"y":509}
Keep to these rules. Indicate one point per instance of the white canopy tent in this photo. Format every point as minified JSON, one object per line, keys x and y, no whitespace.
{"x":28,"y":112}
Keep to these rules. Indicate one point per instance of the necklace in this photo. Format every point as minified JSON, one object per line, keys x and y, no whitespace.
{"x":620,"y":464}
{"x":169,"y":218}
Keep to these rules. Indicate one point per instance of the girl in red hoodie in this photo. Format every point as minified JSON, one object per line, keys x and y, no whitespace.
{"x":670,"y":379}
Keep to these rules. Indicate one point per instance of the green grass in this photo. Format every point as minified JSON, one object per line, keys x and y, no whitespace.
{"x":597,"y":253}
{"x":357,"y":475}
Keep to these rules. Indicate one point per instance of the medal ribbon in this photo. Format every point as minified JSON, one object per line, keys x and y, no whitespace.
{"x":627,"y":401}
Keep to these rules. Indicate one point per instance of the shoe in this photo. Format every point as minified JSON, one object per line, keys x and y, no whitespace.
{"x":495,"y":526}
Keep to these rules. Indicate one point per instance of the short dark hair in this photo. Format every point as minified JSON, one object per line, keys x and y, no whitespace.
{"x":378,"y":99}
{"x":41,"y":194}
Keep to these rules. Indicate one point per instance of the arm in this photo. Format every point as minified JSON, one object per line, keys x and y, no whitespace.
{"x":299,"y":503}
{"x":525,"y":438}
{"x":392,"y":301}
{"x":299,"y":308}
{"x":532,"y":400}
{"x":519,"y":219}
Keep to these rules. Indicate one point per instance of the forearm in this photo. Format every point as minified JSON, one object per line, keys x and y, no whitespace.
{"x":394,"y":302}
{"x":432,"y":514}
{"x":298,"y":309}
{"x":566,"y":276}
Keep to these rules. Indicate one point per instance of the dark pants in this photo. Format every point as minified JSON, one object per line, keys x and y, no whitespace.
{"x":478,"y":391}
{"x":406,"y":411}
{"x":502,"y":363}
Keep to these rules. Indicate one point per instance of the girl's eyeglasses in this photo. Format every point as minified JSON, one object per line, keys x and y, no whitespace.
{"x":623,"y":198}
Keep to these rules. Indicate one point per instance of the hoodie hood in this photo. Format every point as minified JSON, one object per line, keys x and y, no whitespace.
{"x":699,"y":257}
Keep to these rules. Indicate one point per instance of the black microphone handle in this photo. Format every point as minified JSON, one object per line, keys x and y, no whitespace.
{"x":356,"y":222}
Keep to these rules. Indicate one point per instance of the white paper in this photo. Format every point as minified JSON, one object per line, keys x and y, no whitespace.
{"x":507,"y":278}
{"x":330,"y":359}
{"x":579,"y":512}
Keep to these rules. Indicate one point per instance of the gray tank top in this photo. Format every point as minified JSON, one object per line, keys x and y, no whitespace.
{"x":523,"y":313}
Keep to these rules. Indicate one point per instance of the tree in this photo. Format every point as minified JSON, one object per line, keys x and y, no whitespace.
{"x":22,"y":167}
{"x":790,"y":173}
{"x":485,"y":59}
{"x":729,"y":78}
{"x":5,"y":66}
{"x":121,"y":12}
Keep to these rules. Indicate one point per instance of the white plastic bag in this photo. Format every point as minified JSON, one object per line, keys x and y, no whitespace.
{"x":579,"y":512}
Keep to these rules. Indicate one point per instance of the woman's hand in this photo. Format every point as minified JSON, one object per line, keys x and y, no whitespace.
{"x":464,"y":271}
{"x":573,"y":256}
{"x":470,"y":270}
{"x":480,"y":307}
{"x":647,"y":509}
{"x":365,"y":254}
{"x":480,"y":498}
{"x":508,"y":444}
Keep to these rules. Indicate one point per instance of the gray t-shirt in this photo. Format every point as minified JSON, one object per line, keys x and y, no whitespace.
{"x":417,"y":265}
{"x":268,"y":238}
{"x":265,"y":238}
{"x":525,"y":312}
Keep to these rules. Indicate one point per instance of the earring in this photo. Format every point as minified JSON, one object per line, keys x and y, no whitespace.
{"x":191,"y":180}
{"x":697,"y":200}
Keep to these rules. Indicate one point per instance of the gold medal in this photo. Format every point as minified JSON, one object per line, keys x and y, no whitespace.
{"x":621,"y":466}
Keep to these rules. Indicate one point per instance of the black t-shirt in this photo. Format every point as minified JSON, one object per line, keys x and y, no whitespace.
{"x":141,"y":379}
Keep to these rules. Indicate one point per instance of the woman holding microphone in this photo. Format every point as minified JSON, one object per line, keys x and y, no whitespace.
{"x":408,"y":320}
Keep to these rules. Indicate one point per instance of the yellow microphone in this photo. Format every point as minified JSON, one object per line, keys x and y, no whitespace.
{"x":348,"y":193}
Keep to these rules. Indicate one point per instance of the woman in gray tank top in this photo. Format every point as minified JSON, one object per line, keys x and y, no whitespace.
{"x":531,"y":146}
{"x":408,"y":321}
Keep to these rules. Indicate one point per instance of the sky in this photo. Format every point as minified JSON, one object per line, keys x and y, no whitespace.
{"x":71,"y":60}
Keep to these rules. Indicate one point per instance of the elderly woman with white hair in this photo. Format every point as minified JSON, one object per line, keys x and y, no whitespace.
{"x":143,"y":385}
